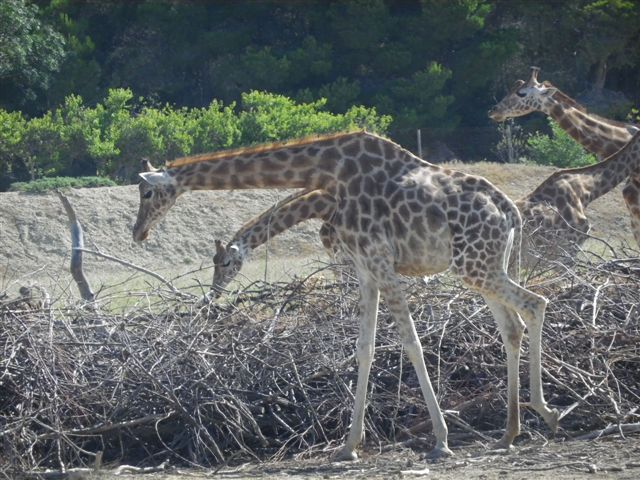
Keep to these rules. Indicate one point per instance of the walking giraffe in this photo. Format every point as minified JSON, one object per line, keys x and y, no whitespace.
{"x":395,"y":214}
{"x":596,"y":134}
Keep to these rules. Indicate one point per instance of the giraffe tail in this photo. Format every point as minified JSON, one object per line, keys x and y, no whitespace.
{"x":513,"y":253}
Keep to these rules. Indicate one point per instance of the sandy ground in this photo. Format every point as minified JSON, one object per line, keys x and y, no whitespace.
{"x":606,"y":458}
{"x":35,"y":246}
{"x":35,"y":241}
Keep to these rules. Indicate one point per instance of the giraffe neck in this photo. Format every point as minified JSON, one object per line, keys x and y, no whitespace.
{"x":282,"y":216}
{"x":312,"y":164}
{"x":597,"y":135}
{"x":591,"y":182}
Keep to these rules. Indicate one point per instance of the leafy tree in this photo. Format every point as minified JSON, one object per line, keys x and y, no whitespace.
{"x":610,"y":32}
{"x":431,"y":64}
{"x":422,"y":101}
{"x":110,"y":138}
{"x":30,"y":53}
{"x":80,"y":72}
{"x":268,"y":117}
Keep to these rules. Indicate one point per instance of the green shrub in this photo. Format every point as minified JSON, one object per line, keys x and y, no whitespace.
{"x":12,"y":166}
{"x":111,"y":138}
{"x":52,"y":183}
{"x":267,"y":117}
{"x":559,"y":149}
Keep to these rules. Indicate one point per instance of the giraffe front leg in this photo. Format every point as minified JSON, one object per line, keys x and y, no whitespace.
{"x":369,"y":298}
{"x":399,"y":310}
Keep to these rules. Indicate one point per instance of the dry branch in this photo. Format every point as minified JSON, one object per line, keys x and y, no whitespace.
{"x":77,"y":244}
{"x":201,"y":385}
{"x":132,"y":266}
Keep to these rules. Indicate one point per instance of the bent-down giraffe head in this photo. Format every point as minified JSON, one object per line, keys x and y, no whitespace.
{"x":158,"y":193}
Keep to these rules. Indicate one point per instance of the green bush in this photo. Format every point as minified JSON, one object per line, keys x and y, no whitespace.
{"x":52,"y":183}
{"x":12,"y":166}
{"x":110,"y":139}
{"x":559,"y":149}
{"x":266,"y":117}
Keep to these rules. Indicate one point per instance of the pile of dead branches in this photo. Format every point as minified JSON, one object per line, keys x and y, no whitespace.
{"x":271,"y":371}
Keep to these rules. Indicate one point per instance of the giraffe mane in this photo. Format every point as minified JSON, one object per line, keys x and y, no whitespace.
{"x":262,"y":148}
{"x":564,"y":98}
{"x":567,"y":100}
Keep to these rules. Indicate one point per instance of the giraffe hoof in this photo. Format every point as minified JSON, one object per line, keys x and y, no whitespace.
{"x":439,"y":453}
{"x":505,"y":443}
{"x":553,"y":421}
{"x":345,"y":455}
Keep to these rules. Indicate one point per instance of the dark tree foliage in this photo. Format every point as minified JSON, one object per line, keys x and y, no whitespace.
{"x":30,"y":53}
{"x":434,"y":65}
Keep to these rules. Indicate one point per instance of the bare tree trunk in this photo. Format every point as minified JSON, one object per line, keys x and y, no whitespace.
{"x":77,"y":243}
{"x":601,"y":75}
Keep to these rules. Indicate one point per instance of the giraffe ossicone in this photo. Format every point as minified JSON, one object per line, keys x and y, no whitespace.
{"x":394,"y":214}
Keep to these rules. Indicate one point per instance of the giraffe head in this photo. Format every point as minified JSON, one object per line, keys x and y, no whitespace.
{"x":226,"y":265}
{"x":158,"y":193}
{"x":523,"y":98}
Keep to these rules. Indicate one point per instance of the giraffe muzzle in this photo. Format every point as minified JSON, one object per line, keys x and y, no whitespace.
{"x":495,"y":116}
{"x":141,"y":236}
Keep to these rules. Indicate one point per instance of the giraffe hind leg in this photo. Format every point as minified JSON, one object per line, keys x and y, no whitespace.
{"x":399,"y":310}
{"x":511,"y":330}
{"x":531,"y":308}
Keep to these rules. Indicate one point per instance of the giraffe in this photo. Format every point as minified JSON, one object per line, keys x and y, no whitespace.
{"x":395,"y":214}
{"x":292,"y":210}
{"x":554,"y":214}
{"x":596,"y":134}
{"x":557,"y":206}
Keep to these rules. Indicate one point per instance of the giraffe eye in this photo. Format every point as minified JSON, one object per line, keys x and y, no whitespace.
{"x":521,"y":94}
{"x":227,"y":263}
{"x":148,"y":194}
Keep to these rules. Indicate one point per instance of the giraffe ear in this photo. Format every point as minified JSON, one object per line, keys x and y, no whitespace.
{"x":146,"y":166}
{"x":548,"y":91}
{"x":219,"y":247}
{"x":156,"y":178}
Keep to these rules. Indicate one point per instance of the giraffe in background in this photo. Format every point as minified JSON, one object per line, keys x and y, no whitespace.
{"x":596,"y":134}
{"x":558,"y":205}
{"x":395,"y":214}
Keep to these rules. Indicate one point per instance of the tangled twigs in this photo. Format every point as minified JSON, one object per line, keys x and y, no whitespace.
{"x":204,"y":386}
